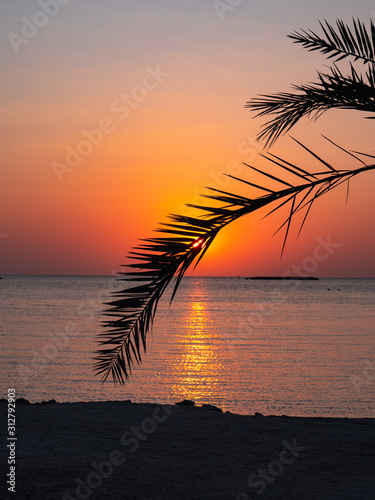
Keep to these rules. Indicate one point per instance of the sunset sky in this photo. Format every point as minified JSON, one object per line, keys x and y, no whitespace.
{"x":158,"y":87}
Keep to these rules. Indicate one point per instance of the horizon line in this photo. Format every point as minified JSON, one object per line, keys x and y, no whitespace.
{"x":238,"y":276}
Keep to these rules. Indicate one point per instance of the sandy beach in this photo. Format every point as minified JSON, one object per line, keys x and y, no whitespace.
{"x":121,"y":450}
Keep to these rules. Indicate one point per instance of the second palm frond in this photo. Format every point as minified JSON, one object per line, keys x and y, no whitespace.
{"x":334,"y":89}
{"x":183,"y":241}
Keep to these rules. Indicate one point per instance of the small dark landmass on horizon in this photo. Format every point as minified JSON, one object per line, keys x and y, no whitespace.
{"x":304,"y":278}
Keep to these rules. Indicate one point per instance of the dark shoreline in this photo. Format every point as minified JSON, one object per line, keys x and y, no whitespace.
{"x":162,"y":452}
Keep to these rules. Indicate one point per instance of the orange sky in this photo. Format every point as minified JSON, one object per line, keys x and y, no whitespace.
{"x":160,"y":88}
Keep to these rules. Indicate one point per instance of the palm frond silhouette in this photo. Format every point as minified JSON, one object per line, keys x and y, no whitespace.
{"x":333,"y":89}
{"x":183,"y":241}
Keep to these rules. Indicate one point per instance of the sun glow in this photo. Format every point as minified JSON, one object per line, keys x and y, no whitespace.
{"x":199,"y":243}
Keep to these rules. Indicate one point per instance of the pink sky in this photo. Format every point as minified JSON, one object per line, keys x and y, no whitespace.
{"x":159,"y":88}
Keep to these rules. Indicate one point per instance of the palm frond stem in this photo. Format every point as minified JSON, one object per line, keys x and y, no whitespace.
{"x":184,"y":242}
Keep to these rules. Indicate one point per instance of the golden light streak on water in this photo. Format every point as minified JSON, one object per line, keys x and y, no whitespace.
{"x":197,"y":366}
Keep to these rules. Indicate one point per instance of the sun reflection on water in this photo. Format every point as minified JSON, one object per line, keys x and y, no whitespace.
{"x":197,"y":368}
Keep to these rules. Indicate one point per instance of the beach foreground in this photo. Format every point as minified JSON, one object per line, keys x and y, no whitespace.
{"x":121,"y":450}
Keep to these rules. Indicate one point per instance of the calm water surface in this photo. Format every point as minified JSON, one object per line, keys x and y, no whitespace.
{"x":296,"y":348}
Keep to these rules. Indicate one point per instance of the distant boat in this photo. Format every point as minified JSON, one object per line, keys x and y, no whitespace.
{"x":304,"y":278}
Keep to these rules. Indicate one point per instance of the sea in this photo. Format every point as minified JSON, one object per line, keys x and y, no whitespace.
{"x":297,"y":348}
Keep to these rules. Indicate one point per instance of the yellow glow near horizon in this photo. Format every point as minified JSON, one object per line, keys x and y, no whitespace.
{"x":138,"y":133}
